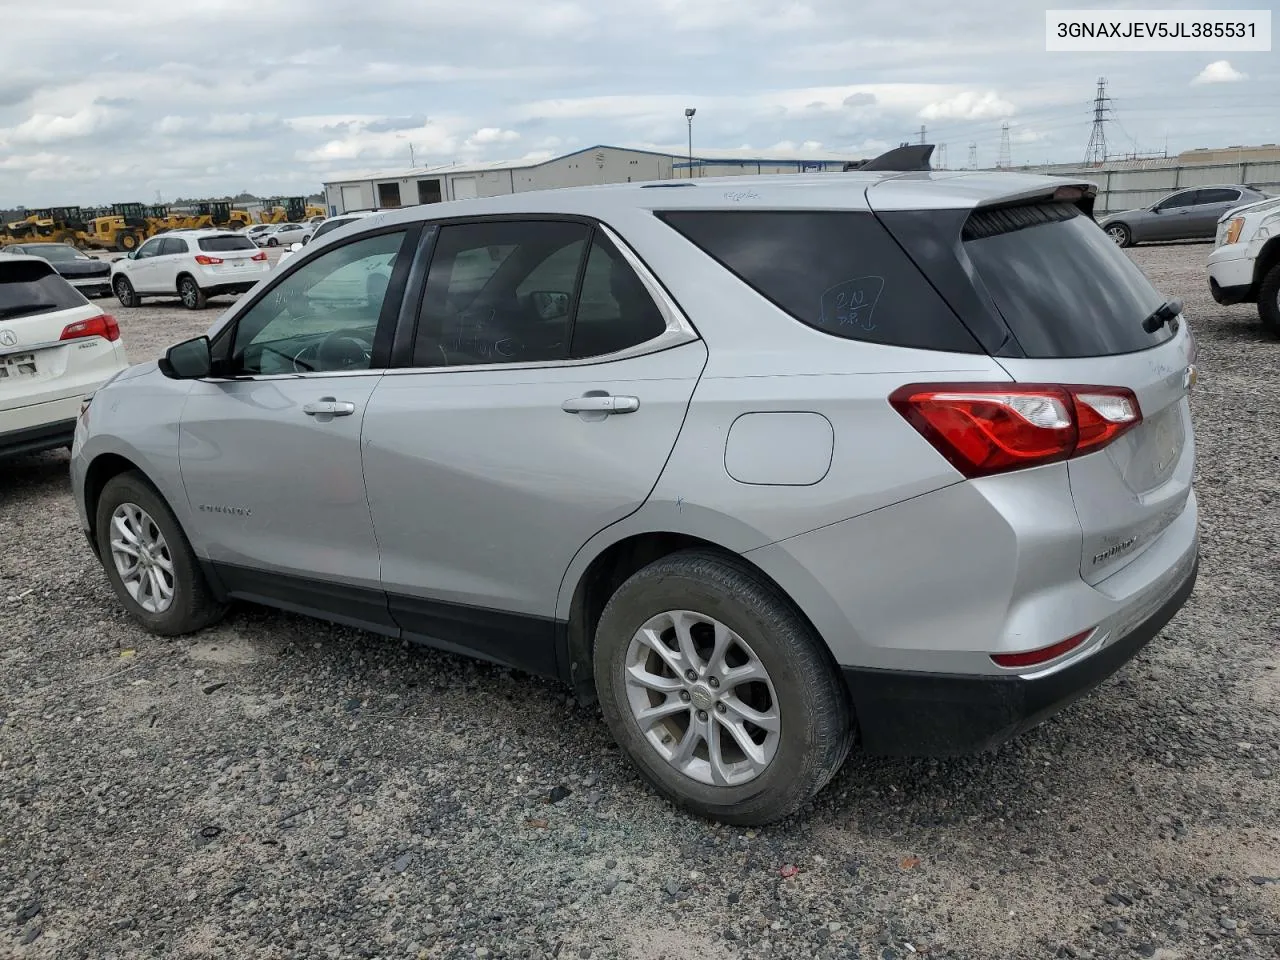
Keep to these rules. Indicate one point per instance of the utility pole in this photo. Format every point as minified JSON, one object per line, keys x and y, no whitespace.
{"x":411,"y":156}
{"x":688,"y":116}
{"x":973,"y":155}
{"x":1096,"y":153}
{"x":1006,"y":152}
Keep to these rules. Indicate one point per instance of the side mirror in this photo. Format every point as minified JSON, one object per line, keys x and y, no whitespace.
{"x":295,"y":247}
{"x":189,"y":360}
{"x":132,"y":255}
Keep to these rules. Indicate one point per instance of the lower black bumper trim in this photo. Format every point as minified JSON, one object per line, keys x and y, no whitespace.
{"x":47,"y":436}
{"x":1227,"y":296}
{"x":929,"y":714}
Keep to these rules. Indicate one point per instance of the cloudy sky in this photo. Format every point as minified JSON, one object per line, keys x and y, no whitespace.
{"x":115,"y":100}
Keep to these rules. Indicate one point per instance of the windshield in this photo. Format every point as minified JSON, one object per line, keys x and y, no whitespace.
{"x":55,"y":251}
{"x":1062,"y":285}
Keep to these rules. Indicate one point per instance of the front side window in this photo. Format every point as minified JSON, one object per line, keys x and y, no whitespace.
{"x":1179,"y":200}
{"x":323,"y":316}
{"x":149,"y":249}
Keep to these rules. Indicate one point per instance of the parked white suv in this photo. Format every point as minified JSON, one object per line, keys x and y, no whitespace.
{"x":56,"y":349}
{"x":1244,"y":266}
{"x":191,"y":264}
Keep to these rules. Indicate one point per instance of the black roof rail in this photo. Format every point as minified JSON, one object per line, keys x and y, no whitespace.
{"x":904,"y":159}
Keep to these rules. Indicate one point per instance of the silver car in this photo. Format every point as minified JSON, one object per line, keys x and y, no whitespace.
{"x":769,"y":467}
{"x":1191,"y":214}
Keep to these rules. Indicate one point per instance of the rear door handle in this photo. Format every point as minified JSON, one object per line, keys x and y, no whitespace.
{"x":329,"y":407}
{"x":601,"y":403}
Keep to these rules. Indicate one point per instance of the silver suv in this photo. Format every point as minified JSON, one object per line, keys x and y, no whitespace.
{"x":769,"y":466}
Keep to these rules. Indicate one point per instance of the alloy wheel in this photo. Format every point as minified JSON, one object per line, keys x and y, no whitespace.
{"x":142,"y":558}
{"x":702,"y":698}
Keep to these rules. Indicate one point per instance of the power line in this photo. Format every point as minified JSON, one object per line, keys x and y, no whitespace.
{"x":1096,"y":152}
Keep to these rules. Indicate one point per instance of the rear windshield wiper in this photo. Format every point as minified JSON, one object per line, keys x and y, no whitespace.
{"x":1162,"y":315}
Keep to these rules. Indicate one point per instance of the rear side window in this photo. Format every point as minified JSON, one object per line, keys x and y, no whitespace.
{"x":223,"y":244}
{"x":29,"y":287}
{"x":838,"y":272}
{"x":1062,"y":286}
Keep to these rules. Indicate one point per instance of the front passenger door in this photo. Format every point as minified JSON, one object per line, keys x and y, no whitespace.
{"x":142,"y":266}
{"x":1175,"y":217}
{"x":173,"y":251}
{"x":270,"y":447}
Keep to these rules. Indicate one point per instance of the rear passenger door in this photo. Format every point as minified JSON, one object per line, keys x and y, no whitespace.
{"x":542,"y":383}
{"x":1211,"y":204}
{"x":172,"y":258}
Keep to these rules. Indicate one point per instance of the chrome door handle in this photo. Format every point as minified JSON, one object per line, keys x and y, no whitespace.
{"x":329,"y":407}
{"x":601,"y":403}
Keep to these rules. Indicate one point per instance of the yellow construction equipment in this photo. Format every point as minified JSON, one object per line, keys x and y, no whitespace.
{"x":124,"y":228}
{"x":287,"y":210}
{"x":161,"y":218}
{"x":216,"y":213}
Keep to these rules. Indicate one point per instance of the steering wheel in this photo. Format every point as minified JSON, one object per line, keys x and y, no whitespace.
{"x":337,"y":351}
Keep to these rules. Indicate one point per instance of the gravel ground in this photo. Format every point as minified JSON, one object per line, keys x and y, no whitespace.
{"x":278,"y":787}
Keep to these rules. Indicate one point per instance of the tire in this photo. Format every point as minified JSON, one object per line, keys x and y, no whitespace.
{"x":272,"y":242}
{"x":193,"y":298}
{"x":804,"y":692}
{"x":1121,"y":234}
{"x":192,"y":605}
{"x":1269,"y":299}
{"x":125,"y":293}
{"x":126,"y":242}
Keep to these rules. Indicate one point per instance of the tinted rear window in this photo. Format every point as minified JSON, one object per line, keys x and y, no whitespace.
{"x":331,"y":225}
{"x":1060,"y":283}
{"x":839,"y":272}
{"x":223,"y":244}
{"x":30,"y":287}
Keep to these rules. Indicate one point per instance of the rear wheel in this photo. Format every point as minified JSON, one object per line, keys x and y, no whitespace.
{"x":125,"y":293}
{"x":1120,"y":234}
{"x":718,"y":691}
{"x":1269,"y":299}
{"x":193,"y":297}
{"x":126,"y":242}
{"x":148,"y":560}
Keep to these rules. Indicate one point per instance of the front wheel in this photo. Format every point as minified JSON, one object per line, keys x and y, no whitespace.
{"x":719,"y":692}
{"x":148,"y":560}
{"x":1269,"y":299}
{"x":1121,"y":234}
{"x":193,"y":298}
{"x":125,"y":293}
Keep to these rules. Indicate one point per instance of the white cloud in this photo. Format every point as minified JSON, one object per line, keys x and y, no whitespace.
{"x":51,"y":128}
{"x":1220,"y":71}
{"x":968,"y":105}
{"x":487,"y":135}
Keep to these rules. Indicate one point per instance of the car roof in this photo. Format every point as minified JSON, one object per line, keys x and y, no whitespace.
{"x":851,"y":190}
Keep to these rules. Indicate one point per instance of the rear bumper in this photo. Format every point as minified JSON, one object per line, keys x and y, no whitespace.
{"x":922,"y":714}
{"x":93,"y":287}
{"x":216,"y":289}
{"x":46,"y":436}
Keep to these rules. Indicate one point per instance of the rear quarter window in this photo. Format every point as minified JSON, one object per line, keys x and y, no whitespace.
{"x":223,"y":244}
{"x":28,"y":287}
{"x":838,"y":272}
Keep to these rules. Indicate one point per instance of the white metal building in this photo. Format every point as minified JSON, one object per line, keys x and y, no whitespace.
{"x":593,"y":165}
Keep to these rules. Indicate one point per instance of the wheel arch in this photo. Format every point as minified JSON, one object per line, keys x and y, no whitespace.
{"x":1268,"y":257}
{"x":589,"y":589}
{"x":184,"y":275}
{"x":100,"y":470}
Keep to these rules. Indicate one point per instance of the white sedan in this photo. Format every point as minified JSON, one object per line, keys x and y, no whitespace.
{"x":285,"y":234}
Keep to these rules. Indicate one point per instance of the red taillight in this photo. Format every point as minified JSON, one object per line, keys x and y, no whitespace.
{"x":260,"y":255}
{"x":1033,"y":658}
{"x":985,"y":428}
{"x":104,"y":325}
{"x":206,"y":261}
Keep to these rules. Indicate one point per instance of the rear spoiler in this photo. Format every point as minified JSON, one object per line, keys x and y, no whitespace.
{"x":1080,"y":193}
{"x":908,"y":158}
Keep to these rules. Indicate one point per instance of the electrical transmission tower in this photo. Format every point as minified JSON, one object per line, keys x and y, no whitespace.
{"x":1096,"y":152}
{"x":1006,"y":152}
{"x":941,"y":154}
{"x":973,"y":155}
{"x":922,"y":133}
